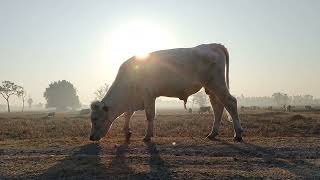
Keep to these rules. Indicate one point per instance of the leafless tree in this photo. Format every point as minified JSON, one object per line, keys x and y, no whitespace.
{"x":21,"y":93}
{"x":101,"y":91}
{"x":30,"y":101}
{"x":7,"y":89}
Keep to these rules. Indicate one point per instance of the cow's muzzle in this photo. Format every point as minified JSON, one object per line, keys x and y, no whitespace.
{"x":94,"y":138}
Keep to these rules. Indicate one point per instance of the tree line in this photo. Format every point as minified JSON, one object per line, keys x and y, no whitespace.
{"x":278,"y":99}
{"x":63,"y":95}
{"x":59,"y":94}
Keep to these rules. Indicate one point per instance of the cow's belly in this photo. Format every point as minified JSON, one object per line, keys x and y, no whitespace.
{"x":181,"y":90}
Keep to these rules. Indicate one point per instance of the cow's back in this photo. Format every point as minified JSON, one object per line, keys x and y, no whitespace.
{"x":173,"y":73}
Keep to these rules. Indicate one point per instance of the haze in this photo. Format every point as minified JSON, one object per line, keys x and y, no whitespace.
{"x":273,"y":45}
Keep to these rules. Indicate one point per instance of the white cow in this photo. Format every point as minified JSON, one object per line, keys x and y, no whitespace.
{"x":173,"y":73}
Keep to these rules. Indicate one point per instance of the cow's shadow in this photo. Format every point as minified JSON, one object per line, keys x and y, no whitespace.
{"x":84,"y":163}
{"x":159,"y":169}
{"x":88,"y":163}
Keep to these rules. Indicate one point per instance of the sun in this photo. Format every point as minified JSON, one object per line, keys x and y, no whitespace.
{"x":137,"y":38}
{"x":142,"y":56}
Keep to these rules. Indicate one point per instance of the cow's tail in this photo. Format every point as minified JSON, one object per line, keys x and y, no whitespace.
{"x":227,"y":65}
{"x":227,"y":68}
{"x":227,"y":80}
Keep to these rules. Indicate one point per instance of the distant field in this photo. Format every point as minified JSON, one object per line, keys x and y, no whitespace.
{"x":277,"y":145}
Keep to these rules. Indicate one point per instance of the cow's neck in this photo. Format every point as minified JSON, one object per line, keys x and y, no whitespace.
{"x":114,"y":100}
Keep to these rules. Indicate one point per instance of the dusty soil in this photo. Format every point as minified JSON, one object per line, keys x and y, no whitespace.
{"x":275,"y":147}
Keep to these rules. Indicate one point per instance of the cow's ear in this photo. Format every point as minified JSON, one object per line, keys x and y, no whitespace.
{"x":105,"y":108}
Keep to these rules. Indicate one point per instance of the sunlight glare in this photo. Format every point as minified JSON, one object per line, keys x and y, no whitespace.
{"x":142,"y":56}
{"x":137,"y":38}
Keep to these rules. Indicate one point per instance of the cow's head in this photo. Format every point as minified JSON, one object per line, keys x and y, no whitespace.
{"x":99,"y":120}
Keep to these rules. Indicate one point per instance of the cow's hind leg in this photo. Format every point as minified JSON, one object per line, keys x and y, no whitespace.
{"x":126,"y":128}
{"x":217,"y":107}
{"x":230,"y":103}
{"x":150,"y":114}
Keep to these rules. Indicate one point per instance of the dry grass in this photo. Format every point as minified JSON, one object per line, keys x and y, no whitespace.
{"x":27,"y":126}
{"x":256,"y":124}
{"x":279,"y":145}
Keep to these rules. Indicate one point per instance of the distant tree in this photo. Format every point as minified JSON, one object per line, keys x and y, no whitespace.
{"x":308,"y":99}
{"x":60,"y":95}
{"x":39,"y":105}
{"x":200,"y":98}
{"x":193,"y":101}
{"x":7,"y":89}
{"x":21,"y":93}
{"x":101,"y":92}
{"x":303,"y":100}
{"x":281,"y":98}
{"x":30,"y":101}
{"x":297,"y":100}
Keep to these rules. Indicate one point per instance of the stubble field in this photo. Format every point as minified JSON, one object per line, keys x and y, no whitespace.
{"x":277,"y":145}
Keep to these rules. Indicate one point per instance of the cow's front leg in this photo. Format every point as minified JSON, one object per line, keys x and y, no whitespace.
{"x":150,"y":114}
{"x":126,"y":128}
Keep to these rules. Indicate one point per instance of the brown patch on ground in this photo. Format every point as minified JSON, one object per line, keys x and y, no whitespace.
{"x":297,"y":117}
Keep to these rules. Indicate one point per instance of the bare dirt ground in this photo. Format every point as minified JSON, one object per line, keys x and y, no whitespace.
{"x":278,"y":145}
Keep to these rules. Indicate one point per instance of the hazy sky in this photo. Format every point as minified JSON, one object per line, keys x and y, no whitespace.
{"x":273,"y":45}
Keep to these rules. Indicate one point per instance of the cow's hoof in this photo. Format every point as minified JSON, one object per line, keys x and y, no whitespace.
{"x":238,"y":139}
{"x":212,"y":136}
{"x":241,"y":130}
{"x":128,"y":135}
{"x":147,"y":139}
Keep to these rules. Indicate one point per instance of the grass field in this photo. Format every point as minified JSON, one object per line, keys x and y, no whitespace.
{"x":278,"y":145}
